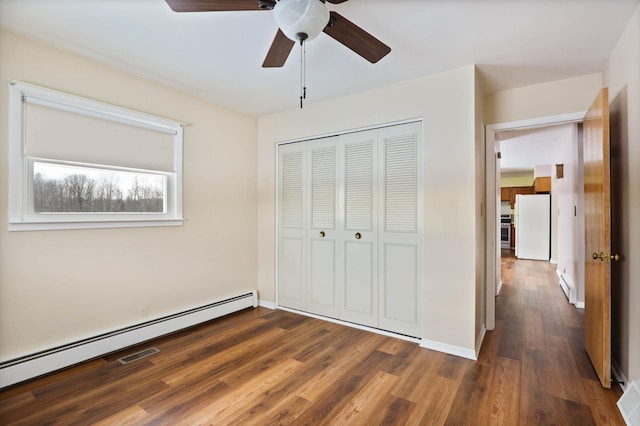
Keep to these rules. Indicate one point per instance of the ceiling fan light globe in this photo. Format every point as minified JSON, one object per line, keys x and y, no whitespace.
{"x":296,"y":17}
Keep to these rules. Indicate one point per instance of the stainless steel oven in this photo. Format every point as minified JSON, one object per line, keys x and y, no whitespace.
{"x":505,"y":231}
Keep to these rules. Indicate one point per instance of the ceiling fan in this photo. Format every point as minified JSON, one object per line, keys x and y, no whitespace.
{"x":298,"y":20}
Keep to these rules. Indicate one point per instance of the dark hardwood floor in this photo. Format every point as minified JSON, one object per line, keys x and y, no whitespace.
{"x":273,"y":367}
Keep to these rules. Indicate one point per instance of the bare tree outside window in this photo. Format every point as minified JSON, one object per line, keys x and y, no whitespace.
{"x":62,"y":188}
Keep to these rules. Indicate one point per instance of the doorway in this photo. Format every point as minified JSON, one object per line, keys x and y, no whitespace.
{"x":494,"y":134}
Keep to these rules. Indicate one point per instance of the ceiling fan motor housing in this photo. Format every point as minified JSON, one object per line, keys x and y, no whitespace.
{"x":300,"y":18}
{"x":266,"y":4}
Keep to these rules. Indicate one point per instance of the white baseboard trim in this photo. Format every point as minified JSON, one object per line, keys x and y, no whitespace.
{"x":449,"y":349}
{"x":268,"y":305}
{"x":352,"y":325}
{"x":424,"y":343}
{"x":33,"y":365}
{"x":619,"y":375}
{"x":499,"y":288}
{"x":580,"y":305}
{"x":553,"y":261}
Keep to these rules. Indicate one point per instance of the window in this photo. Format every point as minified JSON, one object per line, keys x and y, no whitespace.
{"x":70,"y":188}
{"x":79,"y":163}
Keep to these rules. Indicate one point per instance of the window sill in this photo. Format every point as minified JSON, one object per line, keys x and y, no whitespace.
{"x":51,"y":226}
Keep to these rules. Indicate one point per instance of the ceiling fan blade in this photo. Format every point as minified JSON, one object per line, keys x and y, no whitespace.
{"x":279,"y":51}
{"x":212,"y":5}
{"x":355,"y":38}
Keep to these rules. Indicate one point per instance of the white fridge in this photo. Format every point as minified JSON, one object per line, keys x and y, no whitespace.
{"x":533,"y":226}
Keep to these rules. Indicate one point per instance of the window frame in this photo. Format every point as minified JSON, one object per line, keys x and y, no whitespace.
{"x":21,"y":213}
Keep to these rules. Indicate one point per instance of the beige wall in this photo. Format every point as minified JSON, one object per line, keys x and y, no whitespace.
{"x":622,"y":76}
{"x":540,"y":100}
{"x":446,"y":104}
{"x":520,"y":179}
{"x":58,"y":286}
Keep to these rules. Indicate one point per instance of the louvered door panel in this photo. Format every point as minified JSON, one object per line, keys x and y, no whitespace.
{"x":292,"y":258}
{"x":359,"y":297}
{"x":359,"y":185}
{"x":323,"y":187}
{"x":400,"y":184}
{"x":291,"y":187}
{"x":323,"y":248}
{"x":400,"y":248}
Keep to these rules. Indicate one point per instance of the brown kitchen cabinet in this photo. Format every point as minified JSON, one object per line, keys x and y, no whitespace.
{"x":509,"y":193}
{"x":505,"y":194}
{"x":518,"y":190}
{"x":542,"y":185}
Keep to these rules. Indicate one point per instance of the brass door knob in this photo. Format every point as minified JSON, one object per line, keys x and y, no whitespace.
{"x":606,"y":257}
{"x":322,"y":234}
{"x":358,"y":236}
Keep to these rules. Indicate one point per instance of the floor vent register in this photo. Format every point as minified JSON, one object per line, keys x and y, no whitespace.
{"x":138,"y":355}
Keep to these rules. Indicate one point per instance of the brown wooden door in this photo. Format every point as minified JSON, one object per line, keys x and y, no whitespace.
{"x":597,"y":196}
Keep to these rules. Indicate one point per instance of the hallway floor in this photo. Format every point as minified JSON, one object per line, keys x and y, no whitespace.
{"x":539,"y":336}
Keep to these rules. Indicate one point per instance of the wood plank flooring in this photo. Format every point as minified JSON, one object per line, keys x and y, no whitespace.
{"x":263,"y":367}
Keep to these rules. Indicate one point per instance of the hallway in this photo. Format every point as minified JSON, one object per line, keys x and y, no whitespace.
{"x":539,"y":338}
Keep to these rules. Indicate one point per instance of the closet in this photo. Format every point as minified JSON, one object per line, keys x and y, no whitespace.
{"x":349,"y":228}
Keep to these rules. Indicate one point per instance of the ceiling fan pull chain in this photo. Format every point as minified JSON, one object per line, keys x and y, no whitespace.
{"x":304,"y":70}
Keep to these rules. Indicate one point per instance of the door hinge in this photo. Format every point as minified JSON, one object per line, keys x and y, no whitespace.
{"x":499,"y":155}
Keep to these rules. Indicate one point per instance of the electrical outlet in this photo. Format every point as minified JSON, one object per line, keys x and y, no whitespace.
{"x":144,"y":312}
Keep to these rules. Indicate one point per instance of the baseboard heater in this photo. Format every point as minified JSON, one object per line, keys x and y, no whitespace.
{"x":569,"y":289}
{"x":43,"y":362}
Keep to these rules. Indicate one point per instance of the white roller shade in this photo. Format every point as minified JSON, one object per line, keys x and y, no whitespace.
{"x":71,"y":136}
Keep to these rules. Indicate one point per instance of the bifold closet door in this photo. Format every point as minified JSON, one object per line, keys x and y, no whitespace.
{"x":324,"y":249}
{"x":399,"y":232}
{"x":359,"y":296}
{"x":350,"y":229}
{"x":292,"y":224}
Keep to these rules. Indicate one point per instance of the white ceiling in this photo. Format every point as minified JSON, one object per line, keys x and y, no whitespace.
{"x":217,"y":56}
{"x":522,"y":150}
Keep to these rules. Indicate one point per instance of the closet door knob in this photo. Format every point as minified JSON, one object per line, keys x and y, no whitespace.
{"x":322,"y":234}
{"x":358,"y":236}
